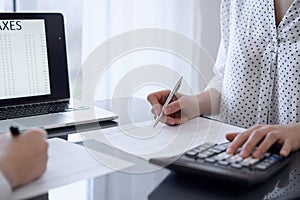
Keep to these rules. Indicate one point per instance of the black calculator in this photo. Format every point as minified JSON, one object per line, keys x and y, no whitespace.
{"x":211,"y":161}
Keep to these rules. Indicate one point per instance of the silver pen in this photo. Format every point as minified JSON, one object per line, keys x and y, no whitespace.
{"x":171,"y":95}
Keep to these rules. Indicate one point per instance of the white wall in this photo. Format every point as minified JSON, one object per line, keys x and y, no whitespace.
{"x":146,"y":14}
{"x":196,"y":19}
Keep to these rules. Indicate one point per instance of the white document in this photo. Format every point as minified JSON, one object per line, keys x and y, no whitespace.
{"x":68,"y":163}
{"x":144,"y":141}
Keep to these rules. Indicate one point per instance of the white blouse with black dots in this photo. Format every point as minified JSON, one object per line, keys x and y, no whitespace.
{"x":258,"y":64}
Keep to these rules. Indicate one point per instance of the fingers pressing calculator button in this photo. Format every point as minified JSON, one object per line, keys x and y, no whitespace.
{"x":211,"y":160}
{"x":216,"y":153}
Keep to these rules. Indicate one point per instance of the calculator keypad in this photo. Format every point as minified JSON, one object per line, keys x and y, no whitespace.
{"x":216,"y":154}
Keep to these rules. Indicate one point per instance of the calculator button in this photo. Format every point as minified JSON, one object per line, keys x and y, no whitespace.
{"x":245,"y":164}
{"x":222,"y":156}
{"x":249,"y":161}
{"x":236,"y":158}
{"x":275,"y":157}
{"x":252,"y":161}
{"x":203,"y":155}
{"x":266,"y":163}
{"x":200,"y":149}
{"x":271,"y":161}
{"x":223,"y":162}
{"x":210,"y":160}
{"x":209,"y":152}
{"x":191,"y":153}
{"x":261,"y":166}
{"x":204,"y":147}
{"x":208,"y":145}
{"x":236,"y":165}
{"x":220,"y":148}
{"x":216,"y":150}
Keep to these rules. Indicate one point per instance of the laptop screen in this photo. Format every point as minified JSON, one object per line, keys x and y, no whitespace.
{"x":33,"y":58}
{"x":23,"y":59}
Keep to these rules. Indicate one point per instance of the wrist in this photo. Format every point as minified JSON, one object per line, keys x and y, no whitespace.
{"x":209,"y":101}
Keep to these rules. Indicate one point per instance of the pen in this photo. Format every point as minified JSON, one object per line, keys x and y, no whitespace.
{"x":14,"y":131}
{"x":172,"y":93}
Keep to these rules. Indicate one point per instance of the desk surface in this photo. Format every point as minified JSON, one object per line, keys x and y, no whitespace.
{"x":164,"y":184}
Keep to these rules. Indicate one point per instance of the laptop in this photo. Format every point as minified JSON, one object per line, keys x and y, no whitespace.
{"x":34,"y":84}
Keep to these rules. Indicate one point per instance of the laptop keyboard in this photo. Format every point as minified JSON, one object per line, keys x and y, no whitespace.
{"x":33,"y":110}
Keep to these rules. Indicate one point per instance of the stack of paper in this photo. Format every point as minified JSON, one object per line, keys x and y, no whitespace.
{"x":144,"y":141}
{"x":68,"y":163}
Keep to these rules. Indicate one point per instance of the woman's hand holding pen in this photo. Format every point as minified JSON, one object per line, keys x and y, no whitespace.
{"x":181,"y":108}
{"x":23,"y":158}
{"x":184,"y":107}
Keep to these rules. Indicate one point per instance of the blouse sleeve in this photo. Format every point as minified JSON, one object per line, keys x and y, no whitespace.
{"x":217,"y":81}
{"x":219,"y":68}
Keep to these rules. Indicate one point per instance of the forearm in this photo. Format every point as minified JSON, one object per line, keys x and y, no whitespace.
{"x":209,"y":101}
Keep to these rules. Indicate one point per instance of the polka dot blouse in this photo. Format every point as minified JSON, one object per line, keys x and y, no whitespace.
{"x":258,"y":64}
